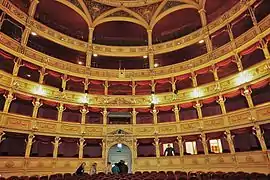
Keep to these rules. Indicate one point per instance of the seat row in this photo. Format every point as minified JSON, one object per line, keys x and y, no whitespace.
{"x":177,"y":175}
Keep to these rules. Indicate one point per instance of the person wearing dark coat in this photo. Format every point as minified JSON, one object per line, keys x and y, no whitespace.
{"x":80,"y":170}
{"x":123,"y":167}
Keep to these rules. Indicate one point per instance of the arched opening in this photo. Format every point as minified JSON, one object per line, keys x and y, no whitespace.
{"x":131,"y":34}
{"x":120,"y":152}
{"x":176,"y":25}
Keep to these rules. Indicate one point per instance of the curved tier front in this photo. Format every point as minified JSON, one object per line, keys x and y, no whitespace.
{"x":69,"y":94}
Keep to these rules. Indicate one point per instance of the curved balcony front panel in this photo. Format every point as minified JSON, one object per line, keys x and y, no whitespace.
{"x":242,"y":42}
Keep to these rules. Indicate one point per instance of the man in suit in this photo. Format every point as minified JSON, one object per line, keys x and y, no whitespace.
{"x":169,"y":151}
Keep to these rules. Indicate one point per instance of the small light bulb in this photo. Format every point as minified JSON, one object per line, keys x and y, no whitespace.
{"x":145,"y":56}
{"x":156,"y":65}
{"x":201,"y":41}
{"x":34,"y":33}
{"x":95,"y":55}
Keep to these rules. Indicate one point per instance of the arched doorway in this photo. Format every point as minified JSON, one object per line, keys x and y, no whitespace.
{"x":120,"y":152}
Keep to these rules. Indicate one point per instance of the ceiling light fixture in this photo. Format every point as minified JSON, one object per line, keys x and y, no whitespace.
{"x":95,"y":55}
{"x":34,"y":33}
{"x":156,"y":65}
{"x":201,"y":41}
{"x":145,"y":56}
{"x":80,"y":62}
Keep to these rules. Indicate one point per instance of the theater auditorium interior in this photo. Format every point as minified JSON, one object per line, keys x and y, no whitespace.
{"x":172,"y":89}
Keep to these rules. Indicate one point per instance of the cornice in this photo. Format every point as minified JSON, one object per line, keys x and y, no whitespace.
{"x":234,"y":120}
{"x":130,"y":3}
{"x":126,"y":50}
{"x":245,"y":40}
{"x":256,"y":73}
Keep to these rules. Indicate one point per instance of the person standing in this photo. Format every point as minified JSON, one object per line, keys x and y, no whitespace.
{"x":115,"y":169}
{"x":80,"y":170}
{"x":169,"y":151}
{"x":93,"y":169}
{"x":108,"y":169}
{"x":123,"y":167}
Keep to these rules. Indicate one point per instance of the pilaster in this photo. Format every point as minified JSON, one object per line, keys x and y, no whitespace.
{"x":82,"y":144}
{"x":42,"y":74}
{"x":176,"y":113}
{"x":221,"y":102}
{"x":60,"y":109}
{"x":229,"y":139}
{"x":204,"y":143}
{"x":181,"y":145}
{"x":56,"y":145}
{"x":29,"y":143}
{"x":198,"y":106}
{"x":37,"y":104}
{"x":259,"y":134}
{"x":134,"y":116}
{"x":247,"y":93}
{"x":9,"y":98}
{"x":105,"y":116}
{"x":157,"y":147}
{"x":83,"y":111}
{"x":154,"y":113}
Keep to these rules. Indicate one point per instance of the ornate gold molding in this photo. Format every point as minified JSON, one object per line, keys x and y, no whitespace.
{"x":123,"y":50}
{"x":245,"y":40}
{"x":234,"y":120}
{"x":255,"y":161}
{"x":255,"y":73}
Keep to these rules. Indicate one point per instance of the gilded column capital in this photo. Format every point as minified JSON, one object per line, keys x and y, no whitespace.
{"x":265,"y":49}
{"x":221,"y":101}
{"x":247,"y":94}
{"x":229,"y":137}
{"x":56,"y":145}
{"x":9,"y":98}
{"x":81,"y":145}
{"x":57,"y":140}
{"x":198,"y":107}
{"x":37,"y":104}
{"x":105,"y":115}
{"x":204,"y":140}
{"x":42,"y":74}
{"x":176,"y":110}
{"x":259,"y":134}
{"x":133,"y":86}
{"x":17,"y":65}
{"x":238,"y":62}
{"x":154,"y":111}
{"x":61,"y":108}
{"x":193,"y":77}
{"x":29,"y":143}
{"x":214,"y":70}
{"x":84,"y":110}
